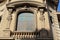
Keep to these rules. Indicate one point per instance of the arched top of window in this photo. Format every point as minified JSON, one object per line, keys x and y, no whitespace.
{"x":20,"y":12}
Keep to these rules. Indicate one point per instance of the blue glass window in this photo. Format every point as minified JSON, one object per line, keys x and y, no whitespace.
{"x":26,"y":22}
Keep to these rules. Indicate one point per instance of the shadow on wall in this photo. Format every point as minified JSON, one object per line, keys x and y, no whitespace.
{"x":52,"y":4}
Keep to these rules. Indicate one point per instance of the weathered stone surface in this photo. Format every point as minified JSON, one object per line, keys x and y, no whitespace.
{"x":9,"y":10}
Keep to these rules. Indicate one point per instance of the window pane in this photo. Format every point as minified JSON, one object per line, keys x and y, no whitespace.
{"x":26,"y":22}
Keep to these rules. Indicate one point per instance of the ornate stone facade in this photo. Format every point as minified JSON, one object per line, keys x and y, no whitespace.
{"x":46,"y":22}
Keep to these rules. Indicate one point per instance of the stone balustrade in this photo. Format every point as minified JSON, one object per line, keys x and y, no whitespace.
{"x":24,"y":35}
{"x":28,"y":35}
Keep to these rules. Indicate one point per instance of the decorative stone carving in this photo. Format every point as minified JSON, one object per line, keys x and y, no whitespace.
{"x":9,"y":18}
{"x":42,"y":18}
{"x":42,"y":15}
{"x":2,"y":2}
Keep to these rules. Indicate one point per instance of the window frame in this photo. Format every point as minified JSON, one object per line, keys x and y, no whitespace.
{"x":26,"y":12}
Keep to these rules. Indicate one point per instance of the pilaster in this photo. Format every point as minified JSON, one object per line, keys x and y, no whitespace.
{"x":55,"y":27}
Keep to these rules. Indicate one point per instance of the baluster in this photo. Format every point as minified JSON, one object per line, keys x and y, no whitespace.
{"x":28,"y":35}
{"x":25,"y":35}
{"x":18,"y":35}
{"x":21,"y":35}
{"x":32,"y":35}
{"x":14,"y":35}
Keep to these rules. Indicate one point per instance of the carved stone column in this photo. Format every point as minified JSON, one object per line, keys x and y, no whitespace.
{"x":42,"y":19}
{"x":6,"y":19}
{"x":13,"y":21}
{"x":39,"y":21}
{"x":47,"y":25}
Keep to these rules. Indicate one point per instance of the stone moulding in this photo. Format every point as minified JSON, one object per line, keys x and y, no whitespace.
{"x":4,"y":2}
{"x":38,"y":4}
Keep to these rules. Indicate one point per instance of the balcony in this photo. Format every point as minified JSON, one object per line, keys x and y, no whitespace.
{"x":24,"y":35}
{"x":29,"y":35}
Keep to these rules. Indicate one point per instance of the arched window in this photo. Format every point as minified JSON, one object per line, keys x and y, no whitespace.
{"x":26,"y":22}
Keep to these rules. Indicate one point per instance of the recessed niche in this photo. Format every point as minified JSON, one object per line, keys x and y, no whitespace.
{"x":58,"y":16}
{"x":51,"y":19}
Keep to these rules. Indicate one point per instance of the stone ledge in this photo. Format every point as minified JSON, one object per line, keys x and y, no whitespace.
{"x":38,"y":4}
{"x":6,"y":38}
